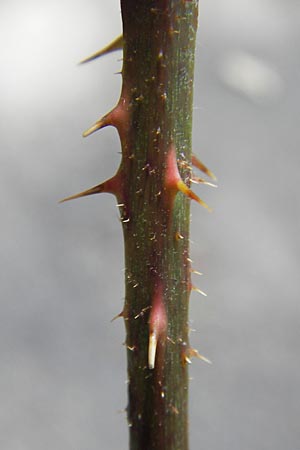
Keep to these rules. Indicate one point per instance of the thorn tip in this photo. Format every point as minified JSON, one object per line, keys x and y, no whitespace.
{"x":194,"y":288}
{"x":197,"y":163}
{"x":189,"y":193}
{"x":101,"y":123}
{"x":116,"y":44}
{"x":152,"y":350}
{"x":111,"y":186}
{"x":193,"y":353}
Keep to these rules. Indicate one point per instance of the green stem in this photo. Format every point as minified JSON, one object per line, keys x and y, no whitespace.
{"x":156,"y":101}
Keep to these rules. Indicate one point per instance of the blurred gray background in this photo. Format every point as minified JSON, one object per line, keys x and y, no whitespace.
{"x":62,"y":363}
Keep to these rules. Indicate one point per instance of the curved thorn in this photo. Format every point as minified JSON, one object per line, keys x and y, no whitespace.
{"x":116,"y":44}
{"x":197,"y":163}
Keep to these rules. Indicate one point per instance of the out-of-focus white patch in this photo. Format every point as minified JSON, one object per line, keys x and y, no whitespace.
{"x":250,"y":76}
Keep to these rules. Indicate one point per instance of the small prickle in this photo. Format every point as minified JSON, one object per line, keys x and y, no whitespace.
{"x":189,"y":353}
{"x":198,"y":180}
{"x":196,"y":289}
{"x":197,"y":163}
{"x":196,"y":272}
{"x":178,"y":236}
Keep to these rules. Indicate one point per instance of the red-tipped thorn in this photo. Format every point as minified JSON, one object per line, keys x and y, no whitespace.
{"x":116,"y":44}
{"x":197,"y":163}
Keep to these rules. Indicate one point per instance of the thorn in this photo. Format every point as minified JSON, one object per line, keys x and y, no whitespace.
{"x":196,"y":272}
{"x":198,"y":180}
{"x":142,"y":312}
{"x":152,"y":350}
{"x":118,"y":316}
{"x":174,"y":182}
{"x":189,"y":193}
{"x":94,"y":190}
{"x":190,"y":353}
{"x":131,"y":348}
{"x":171,"y":340}
{"x":157,"y":324}
{"x":197,"y":163}
{"x":118,"y":117}
{"x":111,"y":186}
{"x":101,"y":123}
{"x":194,"y":288}
{"x":194,"y":353}
{"x":116,"y":44}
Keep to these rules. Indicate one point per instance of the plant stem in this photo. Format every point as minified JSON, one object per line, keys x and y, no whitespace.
{"x":154,"y":120}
